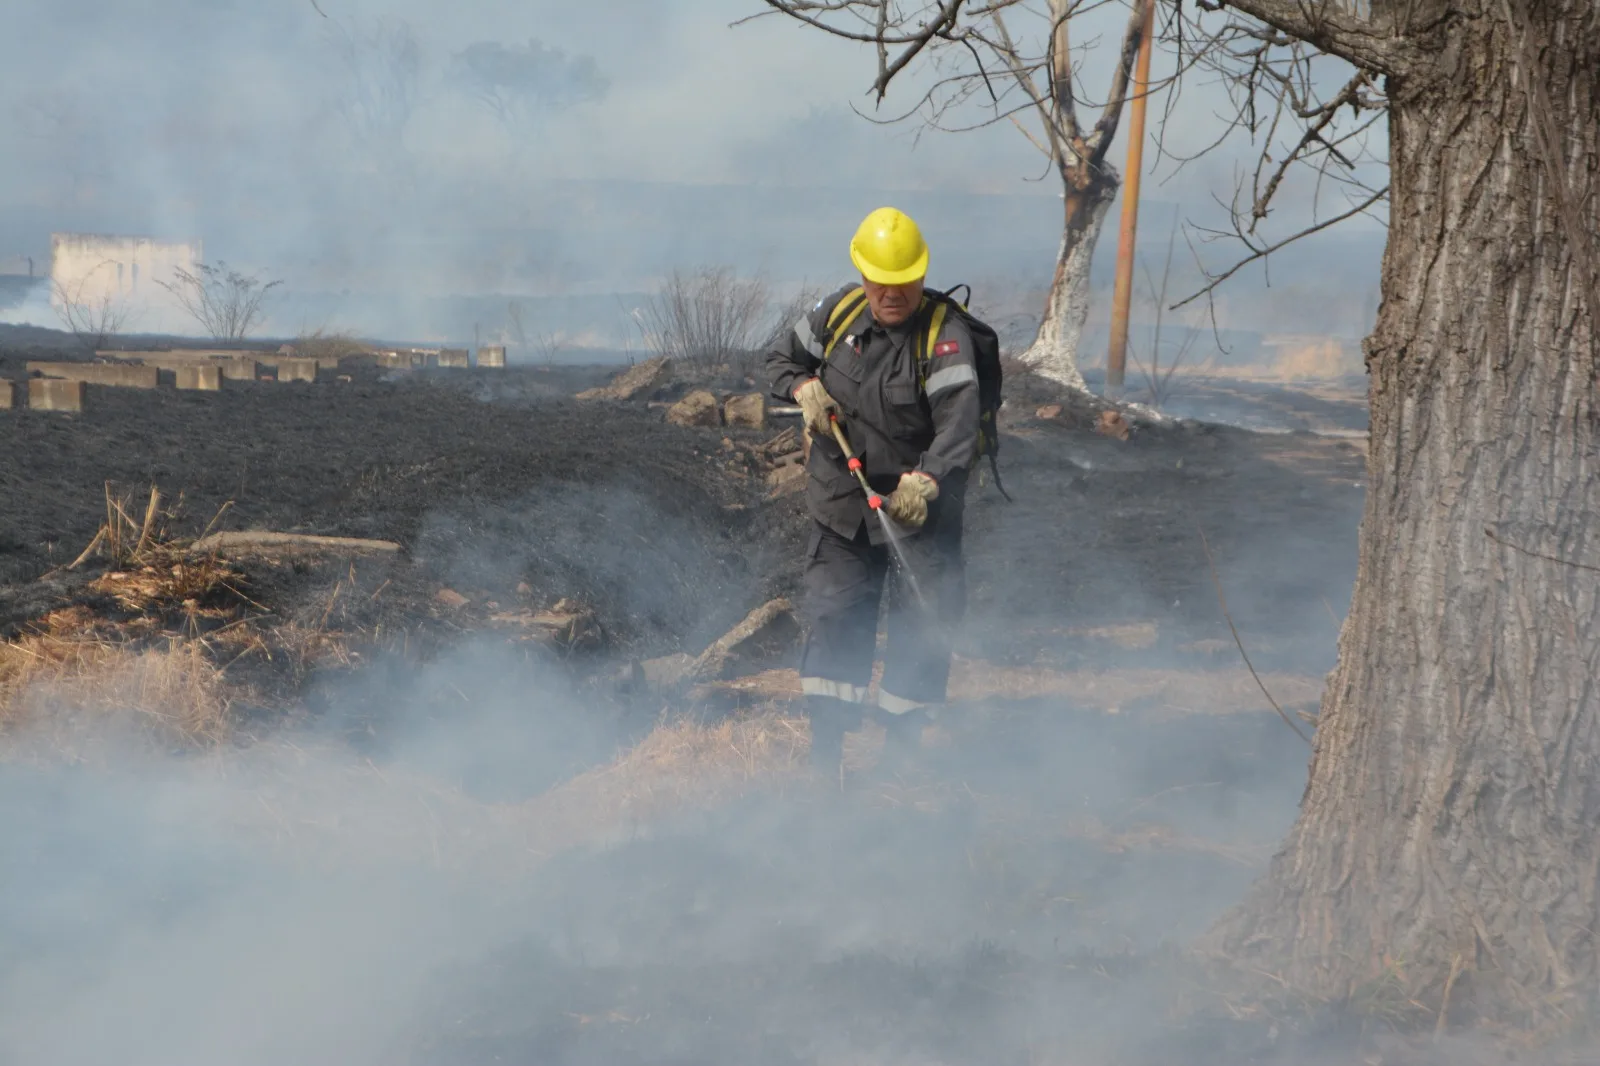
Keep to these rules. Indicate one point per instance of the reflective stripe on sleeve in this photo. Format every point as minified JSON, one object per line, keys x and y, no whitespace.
{"x":950,"y":377}
{"x":808,"y":339}
{"x":839,"y":690}
{"x":888,"y":701}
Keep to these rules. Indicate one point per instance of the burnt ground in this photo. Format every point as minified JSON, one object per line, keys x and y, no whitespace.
{"x":1022,"y":903}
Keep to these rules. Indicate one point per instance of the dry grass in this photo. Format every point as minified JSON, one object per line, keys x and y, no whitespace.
{"x":61,"y":690}
{"x":77,"y":672}
{"x":679,"y":766}
{"x":318,"y":802}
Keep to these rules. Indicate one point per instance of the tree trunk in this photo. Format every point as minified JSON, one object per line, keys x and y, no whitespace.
{"x":1054,"y":352}
{"x":1446,"y":853}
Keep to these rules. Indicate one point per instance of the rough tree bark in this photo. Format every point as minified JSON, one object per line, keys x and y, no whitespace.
{"x":1447,"y":839}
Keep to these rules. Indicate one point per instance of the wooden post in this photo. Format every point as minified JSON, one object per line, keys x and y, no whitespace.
{"x":1122,"y":295}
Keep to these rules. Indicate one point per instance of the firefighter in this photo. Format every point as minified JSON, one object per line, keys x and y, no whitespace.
{"x":906,"y":394}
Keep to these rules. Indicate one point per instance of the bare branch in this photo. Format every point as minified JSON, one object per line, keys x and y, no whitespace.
{"x":1105,"y":130}
{"x":1263,"y":252}
{"x":1328,"y":26}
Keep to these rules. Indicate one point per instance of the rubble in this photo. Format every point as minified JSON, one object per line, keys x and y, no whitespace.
{"x":643,"y":380}
{"x":451,"y":598}
{"x":783,"y":480}
{"x":698,"y":408}
{"x":1048,"y":411}
{"x":747,"y":410}
{"x":785,"y":443}
{"x":1112,"y":425}
{"x":569,"y":625}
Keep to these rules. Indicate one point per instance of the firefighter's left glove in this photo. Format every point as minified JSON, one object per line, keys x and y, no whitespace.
{"x":908,"y":504}
{"x":816,"y":407}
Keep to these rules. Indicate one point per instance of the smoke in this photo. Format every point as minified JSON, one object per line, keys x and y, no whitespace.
{"x":446,"y":862}
{"x":404,"y":171}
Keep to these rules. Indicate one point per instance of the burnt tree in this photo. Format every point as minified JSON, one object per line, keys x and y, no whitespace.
{"x":1446,"y":840}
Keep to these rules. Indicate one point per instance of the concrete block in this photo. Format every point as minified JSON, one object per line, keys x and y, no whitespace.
{"x":120,"y":375}
{"x":492,"y":355}
{"x":238,"y":368}
{"x":204,"y":378}
{"x":56,"y":394}
{"x":297,"y":370}
{"x":8,"y":393}
{"x":454,"y":357}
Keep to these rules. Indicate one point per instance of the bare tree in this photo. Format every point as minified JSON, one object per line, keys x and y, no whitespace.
{"x":1014,"y":62}
{"x":94,"y":318}
{"x":226,"y":303}
{"x":515,"y":82}
{"x":707,"y":318}
{"x":1445,"y":846}
{"x":544,"y":343}
{"x":382,"y":63}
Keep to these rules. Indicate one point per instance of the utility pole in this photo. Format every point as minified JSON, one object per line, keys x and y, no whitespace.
{"x":1122,"y":295}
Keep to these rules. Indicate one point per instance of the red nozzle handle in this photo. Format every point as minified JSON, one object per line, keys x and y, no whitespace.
{"x":875,"y":502}
{"x":854,"y":464}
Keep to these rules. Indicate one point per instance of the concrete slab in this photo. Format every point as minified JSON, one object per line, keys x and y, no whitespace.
{"x":120,"y":375}
{"x":238,"y":368}
{"x":56,"y":394}
{"x":8,"y":394}
{"x":202,"y":378}
{"x":297,"y":370}
{"x":454,"y":357}
{"x":492,"y":355}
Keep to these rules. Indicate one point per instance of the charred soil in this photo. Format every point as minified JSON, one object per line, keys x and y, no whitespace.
{"x":1016,"y":897}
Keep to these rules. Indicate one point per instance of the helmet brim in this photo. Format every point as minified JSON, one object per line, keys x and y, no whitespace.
{"x":915,"y":272}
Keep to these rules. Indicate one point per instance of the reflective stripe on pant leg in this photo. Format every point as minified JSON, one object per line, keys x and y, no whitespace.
{"x":889,"y":703}
{"x":839,"y":690}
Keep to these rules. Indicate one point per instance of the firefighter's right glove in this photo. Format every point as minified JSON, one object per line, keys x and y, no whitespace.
{"x":816,"y":407}
{"x":908,"y":504}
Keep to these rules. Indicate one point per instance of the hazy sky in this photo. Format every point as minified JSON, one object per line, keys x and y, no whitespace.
{"x":242,"y":123}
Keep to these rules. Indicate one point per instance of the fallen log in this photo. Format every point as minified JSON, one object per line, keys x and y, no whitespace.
{"x":255,"y":540}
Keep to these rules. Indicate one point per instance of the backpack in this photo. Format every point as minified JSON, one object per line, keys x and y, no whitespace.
{"x":986,"y":357}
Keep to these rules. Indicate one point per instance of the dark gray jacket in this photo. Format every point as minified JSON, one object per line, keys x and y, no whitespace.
{"x":894,"y":423}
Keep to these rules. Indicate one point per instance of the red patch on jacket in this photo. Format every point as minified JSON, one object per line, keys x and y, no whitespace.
{"x":947,"y":348}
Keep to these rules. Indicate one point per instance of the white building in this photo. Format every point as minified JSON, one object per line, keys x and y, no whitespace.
{"x":95,"y":270}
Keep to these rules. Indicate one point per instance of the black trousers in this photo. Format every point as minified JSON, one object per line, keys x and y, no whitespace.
{"x":844,"y":586}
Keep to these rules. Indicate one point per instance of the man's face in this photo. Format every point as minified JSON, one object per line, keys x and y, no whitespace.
{"x":893,"y":305}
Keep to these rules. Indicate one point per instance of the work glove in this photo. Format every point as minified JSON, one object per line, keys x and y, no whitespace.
{"x":816,"y":407}
{"x":908,"y":504}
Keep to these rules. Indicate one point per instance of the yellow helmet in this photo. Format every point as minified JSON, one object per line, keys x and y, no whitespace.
{"x":889,"y":249}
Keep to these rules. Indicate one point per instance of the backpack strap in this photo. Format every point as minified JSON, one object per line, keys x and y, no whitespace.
{"x":843,"y":315}
{"x":931,"y":339}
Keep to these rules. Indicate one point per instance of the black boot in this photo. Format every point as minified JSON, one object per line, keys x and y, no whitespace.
{"x":830,"y":720}
{"x":902,"y":743}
